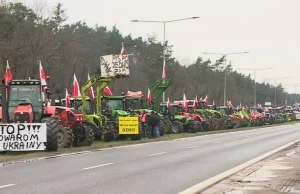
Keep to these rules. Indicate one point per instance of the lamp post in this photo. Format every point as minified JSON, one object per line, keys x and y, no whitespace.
{"x":164,"y":24}
{"x":225,"y":76}
{"x":295,"y":87}
{"x":254,"y":70}
{"x":276,"y":86}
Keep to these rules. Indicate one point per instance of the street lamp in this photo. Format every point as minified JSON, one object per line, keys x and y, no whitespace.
{"x":225,"y":76}
{"x":295,"y":87}
{"x":275,"y":79}
{"x":164,"y":23}
{"x":254,"y":70}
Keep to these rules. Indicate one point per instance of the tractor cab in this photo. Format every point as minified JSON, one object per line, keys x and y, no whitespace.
{"x":24,"y":101}
{"x":76,"y":103}
{"x":111,"y":104}
{"x":225,"y":110}
{"x":201,"y":105}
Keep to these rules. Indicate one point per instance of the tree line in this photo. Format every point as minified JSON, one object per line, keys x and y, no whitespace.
{"x":27,"y":36}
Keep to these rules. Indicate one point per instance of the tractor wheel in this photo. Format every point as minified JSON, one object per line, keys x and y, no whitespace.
{"x":65,"y":136}
{"x":138,"y":136}
{"x":177,"y":127}
{"x":168,"y":126}
{"x":83,"y":135}
{"x":193,"y":127}
{"x":52,"y":133}
{"x":109,"y":135}
{"x":162,"y":127}
{"x":97,"y":132}
{"x":199,"y":126}
{"x":237,"y":124}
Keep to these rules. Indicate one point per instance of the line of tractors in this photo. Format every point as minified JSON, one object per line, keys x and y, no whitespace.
{"x":84,"y":120}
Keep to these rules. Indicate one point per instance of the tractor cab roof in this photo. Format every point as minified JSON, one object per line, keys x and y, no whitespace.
{"x":113,"y":97}
{"x":25,"y":82}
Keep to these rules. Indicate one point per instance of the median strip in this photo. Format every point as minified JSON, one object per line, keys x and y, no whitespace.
{"x":157,"y":154}
{"x":101,"y":165}
{"x":4,"y":186}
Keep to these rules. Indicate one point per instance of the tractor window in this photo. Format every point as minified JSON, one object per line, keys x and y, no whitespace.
{"x":88,"y":107}
{"x":71,"y":117}
{"x":191,"y":110}
{"x":20,"y":94}
{"x":58,"y":111}
{"x":175,"y":109}
{"x":114,"y":104}
{"x":134,"y":104}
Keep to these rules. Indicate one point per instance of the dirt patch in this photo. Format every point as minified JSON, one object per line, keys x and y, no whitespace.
{"x":278,"y":174}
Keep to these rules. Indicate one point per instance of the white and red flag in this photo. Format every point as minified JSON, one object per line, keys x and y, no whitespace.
{"x":8,"y":75}
{"x":67,"y":98}
{"x":76,"y":89}
{"x":107,"y":91}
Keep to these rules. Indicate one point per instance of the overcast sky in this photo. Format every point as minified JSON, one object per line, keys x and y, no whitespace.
{"x":268,"y":29}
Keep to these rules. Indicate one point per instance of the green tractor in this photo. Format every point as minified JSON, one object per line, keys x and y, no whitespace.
{"x":135,"y":105}
{"x":113,"y":107}
{"x":172,"y":114}
{"x":232,"y":121}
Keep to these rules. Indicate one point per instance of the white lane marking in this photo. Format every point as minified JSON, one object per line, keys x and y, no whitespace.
{"x":213,"y":180}
{"x":9,"y":185}
{"x":217,"y":142}
{"x":157,"y":154}
{"x":101,"y":165}
{"x":192,"y":147}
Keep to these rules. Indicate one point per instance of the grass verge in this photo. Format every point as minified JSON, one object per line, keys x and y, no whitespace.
{"x":12,"y":156}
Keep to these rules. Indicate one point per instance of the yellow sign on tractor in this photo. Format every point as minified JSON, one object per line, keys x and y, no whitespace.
{"x":128,"y":125}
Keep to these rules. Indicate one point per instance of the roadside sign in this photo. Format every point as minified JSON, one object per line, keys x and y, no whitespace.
{"x":128,"y":125}
{"x":23,"y":136}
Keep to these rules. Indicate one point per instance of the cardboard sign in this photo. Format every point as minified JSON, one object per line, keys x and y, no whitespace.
{"x":297,"y":116}
{"x":128,"y":125}
{"x":114,"y":66}
{"x":23,"y":136}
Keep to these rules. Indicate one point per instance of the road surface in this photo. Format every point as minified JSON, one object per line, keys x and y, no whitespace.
{"x":163,"y":167}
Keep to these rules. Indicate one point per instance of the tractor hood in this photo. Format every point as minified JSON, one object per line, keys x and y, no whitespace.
{"x":120,"y":112}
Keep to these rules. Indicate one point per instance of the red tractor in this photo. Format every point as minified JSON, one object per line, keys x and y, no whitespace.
{"x":22,"y":102}
{"x":72,"y":129}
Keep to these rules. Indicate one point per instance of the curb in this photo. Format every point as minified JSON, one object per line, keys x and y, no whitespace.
{"x":200,"y":187}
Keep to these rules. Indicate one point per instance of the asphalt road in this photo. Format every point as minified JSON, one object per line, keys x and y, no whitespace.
{"x":163,"y":167}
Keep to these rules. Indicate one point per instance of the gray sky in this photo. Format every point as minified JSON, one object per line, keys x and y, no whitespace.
{"x":268,"y":29}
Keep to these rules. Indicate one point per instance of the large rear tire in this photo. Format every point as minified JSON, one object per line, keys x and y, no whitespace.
{"x":199,"y":126}
{"x":65,"y":136}
{"x":109,"y":135}
{"x":83,"y":135}
{"x":193,"y":126}
{"x":168,"y":124}
{"x":177,"y":127}
{"x":52,"y":133}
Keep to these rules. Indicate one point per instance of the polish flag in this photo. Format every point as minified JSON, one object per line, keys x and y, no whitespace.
{"x":164,"y":73}
{"x":42,"y":75}
{"x":168,"y":104}
{"x":185,"y":103}
{"x":67,"y":98}
{"x":91,"y":89}
{"x":206,"y":99}
{"x":76,"y":89}
{"x":8,"y":75}
{"x":149,"y":97}
{"x":213,"y":103}
{"x":123,"y":50}
{"x":107,"y":91}
{"x":201,"y":99}
{"x":195,"y":103}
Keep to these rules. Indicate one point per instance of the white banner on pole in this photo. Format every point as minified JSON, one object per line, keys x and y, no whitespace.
{"x":23,"y":136}
{"x":114,"y":66}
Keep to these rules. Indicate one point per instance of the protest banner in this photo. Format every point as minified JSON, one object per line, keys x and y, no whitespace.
{"x":23,"y":136}
{"x":114,"y":66}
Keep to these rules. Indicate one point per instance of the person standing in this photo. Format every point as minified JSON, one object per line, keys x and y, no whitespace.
{"x":157,"y":133}
{"x":153,"y":122}
{"x":144,"y":116}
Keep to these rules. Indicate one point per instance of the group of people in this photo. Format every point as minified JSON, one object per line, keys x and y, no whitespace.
{"x":153,"y":122}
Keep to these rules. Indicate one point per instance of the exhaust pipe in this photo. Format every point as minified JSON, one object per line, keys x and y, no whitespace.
{"x":4,"y":102}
